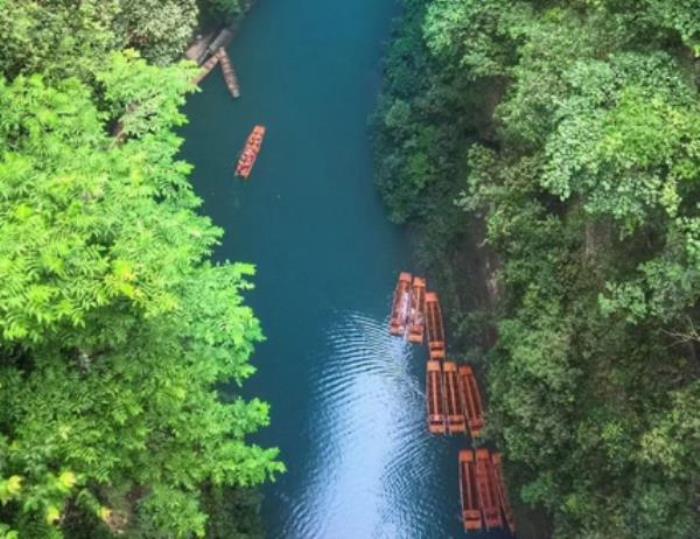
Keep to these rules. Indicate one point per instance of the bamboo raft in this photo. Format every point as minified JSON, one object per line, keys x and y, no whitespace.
{"x":436,"y":331}
{"x":250,"y":152}
{"x":501,"y":491}
{"x":434,"y":397}
{"x":401,"y":305}
{"x":221,"y":41}
{"x":206,"y":68}
{"x":229,"y":73}
{"x":471,"y":400}
{"x":417,"y":327}
{"x":486,"y":490}
{"x":455,"y":414}
{"x":471,"y":514}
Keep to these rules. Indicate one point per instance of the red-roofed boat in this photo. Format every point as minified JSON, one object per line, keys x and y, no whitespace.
{"x":250,"y":152}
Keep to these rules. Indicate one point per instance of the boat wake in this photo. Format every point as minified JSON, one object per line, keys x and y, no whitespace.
{"x":369,"y":442}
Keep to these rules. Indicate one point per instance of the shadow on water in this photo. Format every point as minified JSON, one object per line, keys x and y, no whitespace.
{"x":348,"y":406}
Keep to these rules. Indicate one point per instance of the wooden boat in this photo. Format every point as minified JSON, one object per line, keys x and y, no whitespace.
{"x":205,"y":69}
{"x":433,"y":322}
{"x":488,"y":500}
{"x":501,"y":491}
{"x":401,"y":306}
{"x":471,"y":515}
{"x":250,"y":152}
{"x":229,"y":73}
{"x":417,"y":327}
{"x":470,"y":398}
{"x":455,"y":413}
{"x":436,"y":408}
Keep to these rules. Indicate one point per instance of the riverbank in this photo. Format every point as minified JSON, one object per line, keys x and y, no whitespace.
{"x":421,"y":128}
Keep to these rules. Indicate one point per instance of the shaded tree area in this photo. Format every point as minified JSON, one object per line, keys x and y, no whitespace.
{"x":565,"y":134}
{"x":117,"y":332}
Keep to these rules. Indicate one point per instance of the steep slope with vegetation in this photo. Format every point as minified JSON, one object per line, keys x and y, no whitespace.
{"x":116,"y":331}
{"x":571,"y":130}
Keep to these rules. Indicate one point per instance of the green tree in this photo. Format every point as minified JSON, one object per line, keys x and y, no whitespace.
{"x":116,"y":331}
{"x":584,"y":168}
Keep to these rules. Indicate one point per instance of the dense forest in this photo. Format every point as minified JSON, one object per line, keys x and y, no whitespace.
{"x":547,"y":153}
{"x":122,"y":347}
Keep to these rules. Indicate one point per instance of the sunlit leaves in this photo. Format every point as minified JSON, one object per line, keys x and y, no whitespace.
{"x":116,"y":331}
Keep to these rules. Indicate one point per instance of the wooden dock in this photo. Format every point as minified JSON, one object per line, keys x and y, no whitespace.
{"x":471,"y":512}
{"x":229,"y":73}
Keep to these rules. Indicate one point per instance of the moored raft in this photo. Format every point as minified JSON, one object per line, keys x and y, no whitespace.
{"x":471,"y":515}
{"x":205,"y":69}
{"x":229,"y":73}
{"x":417,"y":327}
{"x":470,"y":398}
{"x":250,"y":152}
{"x":434,"y":325}
{"x":401,"y":305}
{"x":485,"y":487}
{"x":502,"y":491}
{"x":455,"y":414}
{"x":434,"y":397}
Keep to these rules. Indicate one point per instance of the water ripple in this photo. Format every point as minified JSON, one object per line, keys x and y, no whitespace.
{"x":371,"y":453}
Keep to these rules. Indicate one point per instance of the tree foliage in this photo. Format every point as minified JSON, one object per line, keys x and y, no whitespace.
{"x":122,"y":347}
{"x":586,"y":177}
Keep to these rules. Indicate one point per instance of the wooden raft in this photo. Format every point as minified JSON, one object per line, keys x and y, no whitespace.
{"x":229,"y":73}
{"x":488,"y":498}
{"x":455,"y":414}
{"x":206,"y":68}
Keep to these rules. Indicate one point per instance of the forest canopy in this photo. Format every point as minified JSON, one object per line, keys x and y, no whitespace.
{"x":117,"y":332}
{"x":570,"y":131}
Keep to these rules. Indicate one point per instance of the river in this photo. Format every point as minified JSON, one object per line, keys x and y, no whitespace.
{"x":348,"y":405}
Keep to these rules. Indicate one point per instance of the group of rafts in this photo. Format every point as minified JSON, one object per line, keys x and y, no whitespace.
{"x":454,"y":405}
{"x":249,"y":155}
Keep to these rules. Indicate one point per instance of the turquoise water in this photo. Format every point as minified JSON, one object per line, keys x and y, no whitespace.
{"x":348,"y":405}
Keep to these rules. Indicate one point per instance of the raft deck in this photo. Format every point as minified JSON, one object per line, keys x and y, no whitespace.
{"x":401,"y":305}
{"x":470,"y":398}
{"x":501,"y":491}
{"x":433,"y":321}
{"x":417,"y":327}
{"x":434,"y":397}
{"x":229,"y":73}
{"x":487,"y":493}
{"x":455,"y":414}
{"x":471,"y":515}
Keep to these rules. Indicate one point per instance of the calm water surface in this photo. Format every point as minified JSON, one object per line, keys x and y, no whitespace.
{"x":348,"y":408}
